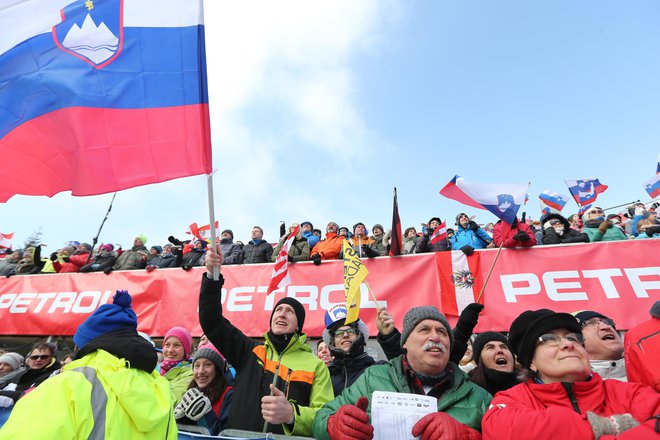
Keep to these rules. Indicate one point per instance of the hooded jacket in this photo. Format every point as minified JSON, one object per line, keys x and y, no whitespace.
{"x":330,"y":247}
{"x":125,"y":403}
{"x":135,"y":258}
{"x":30,"y":379}
{"x":299,"y":374}
{"x":299,"y":250}
{"x":555,"y":410}
{"x":464,"y":401}
{"x":550,"y":236}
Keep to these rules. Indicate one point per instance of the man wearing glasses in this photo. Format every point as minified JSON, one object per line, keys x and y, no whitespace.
{"x":603,"y":344}
{"x":41,"y":362}
{"x":598,"y":228}
{"x":557,"y":230}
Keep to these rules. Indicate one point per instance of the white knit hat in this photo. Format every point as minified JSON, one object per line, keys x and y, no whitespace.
{"x":15,"y":360}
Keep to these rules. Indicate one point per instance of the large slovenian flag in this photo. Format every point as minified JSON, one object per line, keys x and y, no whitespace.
{"x":652,"y":186}
{"x":552,"y":202}
{"x":503,"y":200}
{"x":585,"y":191}
{"x":101,"y":95}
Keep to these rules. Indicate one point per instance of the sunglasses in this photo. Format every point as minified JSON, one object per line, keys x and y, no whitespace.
{"x":42,"y":357}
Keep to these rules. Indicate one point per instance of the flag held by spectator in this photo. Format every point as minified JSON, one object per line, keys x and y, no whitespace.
{"x":652,"y":186}
{"x":462,"y":285}
{"x":6,"y":239}
{"x":585,"y":191}
{"x":552,"y":202}
{"x":397,"y":237}
{"x":203,"y":232}
{"x":440,"y":233}
{"x":354,"y":273}
{"x":503,"y":200}
{"x":280,"y":278}
{"x":102,"y":99}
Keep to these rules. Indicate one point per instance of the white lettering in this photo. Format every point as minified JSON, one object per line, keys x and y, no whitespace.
{"x":552,"y":286}
{"x":64,"y":301}
{"x":22,"y":301}
{"x":605,"y":278}
{"x":533,"y":286}
{"x":43,"y":297}
{"x":311,"y":299}
{"x":640,"y":287}
{"x":6,"y":300}
{"x":95,"y":297}
{"x":236,"y":298}
{"x":326,"y":291}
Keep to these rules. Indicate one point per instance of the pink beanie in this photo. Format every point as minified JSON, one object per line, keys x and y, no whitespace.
{"x":183,"y":335}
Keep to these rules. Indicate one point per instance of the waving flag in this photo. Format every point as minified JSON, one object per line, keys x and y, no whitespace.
{"x":462,"y":285}
{"x":440,"y":233}
{"x":5,"y":240}
{"x":203,"y":232}
{"x":503,"y":200}
{"x":354,"y":273}
{"x":652,"y":186}
{"x":585,"y":191}
{"x":101,"y":95}
{"x":280,"y":278}
{"x":552,"y":202}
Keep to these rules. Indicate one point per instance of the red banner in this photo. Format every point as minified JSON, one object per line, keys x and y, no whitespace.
{"x":619,"y":279}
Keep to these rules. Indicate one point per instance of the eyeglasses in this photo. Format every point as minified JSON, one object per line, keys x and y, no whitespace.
{"x":553,"y":340}
{"x":597,"y":211}
{"x":348,"y":331}
{"x":555,"y":222}
{"x":42,"y":357}
{"x":596,"y":321}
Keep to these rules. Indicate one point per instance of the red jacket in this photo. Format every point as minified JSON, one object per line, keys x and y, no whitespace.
{"x":545,"y":411}
{"x":74,"y":264}
{"x":503,"y":232}
{"x":642,"y":351}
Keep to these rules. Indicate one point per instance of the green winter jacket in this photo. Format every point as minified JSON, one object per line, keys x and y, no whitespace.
{"x":611,"y":234}
{"x":298,"y":373}
{"x":299,"y":249}
{"x":179,"y":378}
{"x":464,"y":401}
{"x":96,"y":396}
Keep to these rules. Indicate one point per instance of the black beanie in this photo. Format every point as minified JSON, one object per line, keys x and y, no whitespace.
{"x":526,"y":329}
{"x":297,"y":307}
{"x":482,"y":339}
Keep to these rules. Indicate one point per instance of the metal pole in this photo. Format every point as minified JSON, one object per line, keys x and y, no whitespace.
{"x":96,"y":239}
{"x":619,"y":206}
{"x":209,"y":186}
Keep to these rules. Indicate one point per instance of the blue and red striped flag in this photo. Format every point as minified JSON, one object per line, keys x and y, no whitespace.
{"x":99,"y":96}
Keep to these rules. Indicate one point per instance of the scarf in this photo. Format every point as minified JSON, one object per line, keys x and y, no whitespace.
{"x":439,"y":383}
{"x":500,"y":380}
{"x":167,"y":365}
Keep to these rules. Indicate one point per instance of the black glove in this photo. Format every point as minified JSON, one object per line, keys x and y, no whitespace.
{"x":174,"y":241}
{"x":107,"y":270}
{"x":652,"y":230}
{"x":467,"y":250}
{"x":521,"y":236}
{"x":316,"y":258}
{"x":473,"y":225}
{"x":53,"y":256}
{"x":290,"y":258}
{"x":282,"y":229}
{"x":66,"y":259}
{"x":429,"y":231}
{"x":186,"y":267}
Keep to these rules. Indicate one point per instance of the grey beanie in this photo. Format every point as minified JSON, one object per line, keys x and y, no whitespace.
{"x":419,"y":314}
{"x":655,"y":309}
{"x":15,"y":360}
{"x":211,"y":353}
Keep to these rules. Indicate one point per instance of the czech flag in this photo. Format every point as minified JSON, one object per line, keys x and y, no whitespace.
{"x":101,"y":95}
{"x":503,"y":200}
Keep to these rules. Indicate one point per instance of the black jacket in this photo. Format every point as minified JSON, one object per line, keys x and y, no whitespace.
{"x":345,"y":370}
{"x":257,"y":253}
{"x":569,"y":235}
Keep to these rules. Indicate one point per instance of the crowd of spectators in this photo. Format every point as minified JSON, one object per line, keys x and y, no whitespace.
{"x":637,"y":222}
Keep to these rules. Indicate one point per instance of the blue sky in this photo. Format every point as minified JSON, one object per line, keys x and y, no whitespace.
{"x":319,"y":110}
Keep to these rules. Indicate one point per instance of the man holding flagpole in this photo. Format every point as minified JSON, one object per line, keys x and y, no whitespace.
{"x":280,"y":383}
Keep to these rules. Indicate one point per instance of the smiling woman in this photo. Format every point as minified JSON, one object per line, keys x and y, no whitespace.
{"x":562,"y":389}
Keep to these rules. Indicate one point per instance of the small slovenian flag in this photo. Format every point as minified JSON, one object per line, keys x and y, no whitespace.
{"x":585,"y":191}
{"x":503,"y":200}
{"x":652,"y":186}
{"x":552,"y":201}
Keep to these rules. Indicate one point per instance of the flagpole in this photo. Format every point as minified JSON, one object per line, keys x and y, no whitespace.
{"x":372,"y":295}
{"x":96,"y":238}
{"x":625,"y":204}
{"x":209,"y":188}
{"x":490,"y":271}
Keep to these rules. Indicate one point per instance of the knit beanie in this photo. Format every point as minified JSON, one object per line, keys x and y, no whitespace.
{"x":14,"y":360}
{"x":655,"y":309}
{"x":419,"y":314}
{"x":183,"y":335}
{"x":297,"y":308}
{"x":86,"y":246}
{"x":228,"y":231}
{"x":482,"y":339}
{"x":530,"y":325}
{"x":107,"y":319}
{"x":358,"y":224}
{"x":107,"y":247}
{"x":208,"y":351}
{"x":159,"y":249}
{"x":377,"y":225}
{"x":142,"y":237}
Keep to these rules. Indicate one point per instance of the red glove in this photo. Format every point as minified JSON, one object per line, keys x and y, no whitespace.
{"x":351,"y":422}
{"x":440,"y":425}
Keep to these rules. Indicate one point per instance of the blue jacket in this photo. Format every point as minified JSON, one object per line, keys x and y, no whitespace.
{"x":478,"y":239}
{"x":311,"y":238}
